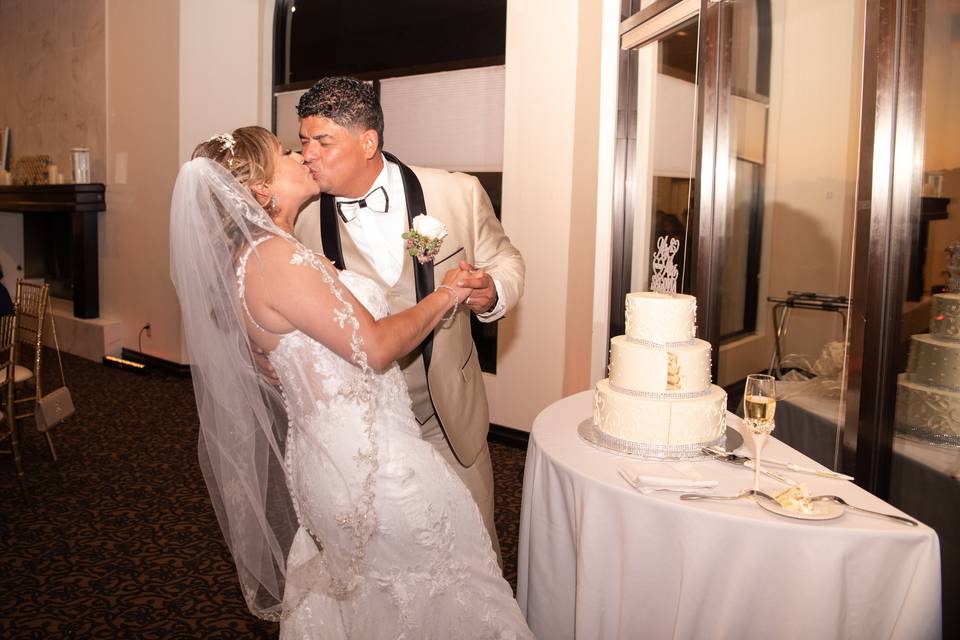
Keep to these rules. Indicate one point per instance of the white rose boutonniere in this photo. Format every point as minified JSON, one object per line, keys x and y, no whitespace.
{"x":424,"y":239}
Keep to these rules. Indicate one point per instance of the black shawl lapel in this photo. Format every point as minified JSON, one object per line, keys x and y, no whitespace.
{"x":422,"y":273}
{"x":330,"y":232}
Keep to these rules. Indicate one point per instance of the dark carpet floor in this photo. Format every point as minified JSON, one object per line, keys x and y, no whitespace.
{"x":121,"y":540}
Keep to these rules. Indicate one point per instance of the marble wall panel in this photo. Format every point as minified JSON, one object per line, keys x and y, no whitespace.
{"x":53,"y":79}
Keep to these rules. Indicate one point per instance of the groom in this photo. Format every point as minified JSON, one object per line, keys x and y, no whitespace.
{"x":369,"y":198}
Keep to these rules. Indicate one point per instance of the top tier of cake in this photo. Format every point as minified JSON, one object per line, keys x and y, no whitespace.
{"x":945,"y":315}
{"x":661,"y":318}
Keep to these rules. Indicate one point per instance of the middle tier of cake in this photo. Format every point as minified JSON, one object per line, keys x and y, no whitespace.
{"x":652,"y":369}
{"x":934,"y":361}
{"x":697,"y":421}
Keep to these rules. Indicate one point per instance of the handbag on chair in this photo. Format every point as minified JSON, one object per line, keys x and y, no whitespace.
{"x":56,"y":406}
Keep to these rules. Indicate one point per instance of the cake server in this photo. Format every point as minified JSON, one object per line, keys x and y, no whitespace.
{"x":743,"y":461}
{"x":823,"y":473}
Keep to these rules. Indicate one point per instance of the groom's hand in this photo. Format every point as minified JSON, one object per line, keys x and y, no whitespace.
{"x":483,"y":296}
{"x":263,"y":364}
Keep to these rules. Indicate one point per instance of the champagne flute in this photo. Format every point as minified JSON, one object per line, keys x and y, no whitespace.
{"x":759,"y":405}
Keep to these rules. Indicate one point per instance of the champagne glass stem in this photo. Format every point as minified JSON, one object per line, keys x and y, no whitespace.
{"x":759,"y":440}
{"x":756,"y":464}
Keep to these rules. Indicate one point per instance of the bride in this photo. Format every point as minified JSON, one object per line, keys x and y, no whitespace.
{"x":342,"y":522}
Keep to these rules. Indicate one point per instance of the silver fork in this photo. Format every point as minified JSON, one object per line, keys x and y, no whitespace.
{"x":839,"y":500}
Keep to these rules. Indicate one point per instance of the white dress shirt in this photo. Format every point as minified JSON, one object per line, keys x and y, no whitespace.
{"x":378,"y":235}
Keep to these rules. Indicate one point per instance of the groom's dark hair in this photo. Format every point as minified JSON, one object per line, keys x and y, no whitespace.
{"x":347,"y":101}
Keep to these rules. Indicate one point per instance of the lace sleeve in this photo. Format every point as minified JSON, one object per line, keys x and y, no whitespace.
{"x":344,"y":314}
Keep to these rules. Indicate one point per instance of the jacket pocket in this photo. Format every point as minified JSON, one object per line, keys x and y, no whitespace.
{"x":447,"y":257}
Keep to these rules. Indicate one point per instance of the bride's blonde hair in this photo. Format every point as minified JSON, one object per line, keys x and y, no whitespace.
{"x":248,"y":153}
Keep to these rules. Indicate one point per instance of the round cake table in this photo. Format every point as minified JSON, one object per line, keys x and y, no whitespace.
{"x":598,"y":559}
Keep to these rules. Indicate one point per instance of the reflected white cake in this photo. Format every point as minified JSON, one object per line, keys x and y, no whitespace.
{"x":658,"y":400}
{"x":928,"y":392}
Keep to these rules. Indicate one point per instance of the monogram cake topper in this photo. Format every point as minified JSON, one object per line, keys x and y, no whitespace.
{"x":953,"y":266}
{"x":664,"y":278}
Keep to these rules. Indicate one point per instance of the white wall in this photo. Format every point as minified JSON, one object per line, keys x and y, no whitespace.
{"x":810,"y":175}
{"x":608,"y":68}
{"x":142,"y":97}
{"x":219,"y":68}
{"x":551,"y":120}
{"x":177,"y":73}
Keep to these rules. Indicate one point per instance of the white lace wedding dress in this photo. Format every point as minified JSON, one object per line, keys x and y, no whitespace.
{"x":390,"y":544}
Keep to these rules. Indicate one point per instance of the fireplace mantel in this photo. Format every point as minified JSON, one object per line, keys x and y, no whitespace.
{"x":82,"y":202}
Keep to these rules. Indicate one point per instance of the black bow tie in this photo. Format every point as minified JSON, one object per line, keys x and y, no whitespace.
{"x":377,"y":201}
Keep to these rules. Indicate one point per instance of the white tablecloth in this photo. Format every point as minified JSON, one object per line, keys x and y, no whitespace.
{"x":925,"y":479}
{"x":599,"y":560}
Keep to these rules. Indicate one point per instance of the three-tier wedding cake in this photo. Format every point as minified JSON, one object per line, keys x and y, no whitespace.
{"x":658,"y":401}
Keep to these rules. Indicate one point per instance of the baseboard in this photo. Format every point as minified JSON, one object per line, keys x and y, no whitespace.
{"x":158,"y":364}
{"x":508,"y":436}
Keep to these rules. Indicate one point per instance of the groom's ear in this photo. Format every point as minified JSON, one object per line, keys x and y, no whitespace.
{"x":370,"y":142}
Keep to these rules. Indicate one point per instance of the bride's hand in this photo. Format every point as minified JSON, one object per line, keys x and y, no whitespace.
{"x":452,"y":277}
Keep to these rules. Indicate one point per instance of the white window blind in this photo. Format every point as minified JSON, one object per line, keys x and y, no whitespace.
{"x":449,"y":120}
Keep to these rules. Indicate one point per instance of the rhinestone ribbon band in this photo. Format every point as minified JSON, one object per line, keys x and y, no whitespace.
{"x":589,"y":432}
{"x":661,"y":395}
{"x":661,"y":345}
{"x":936,"y":438}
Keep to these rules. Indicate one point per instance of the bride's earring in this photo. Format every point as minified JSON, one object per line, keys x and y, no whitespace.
{"x":272,"y":204}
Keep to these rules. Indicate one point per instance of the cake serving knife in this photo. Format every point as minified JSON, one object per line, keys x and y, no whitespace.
{"x":748,"y":462}
{"x":741,"y":461}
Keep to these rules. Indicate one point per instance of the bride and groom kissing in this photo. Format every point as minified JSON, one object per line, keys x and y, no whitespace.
{"x":356,"y":495}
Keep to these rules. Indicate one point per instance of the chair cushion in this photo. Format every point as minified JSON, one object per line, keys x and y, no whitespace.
{"x":19,"y":374}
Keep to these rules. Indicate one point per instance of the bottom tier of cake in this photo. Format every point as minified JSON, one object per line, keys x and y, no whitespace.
{"x":684,"y":422}
{"x":927,"y":412}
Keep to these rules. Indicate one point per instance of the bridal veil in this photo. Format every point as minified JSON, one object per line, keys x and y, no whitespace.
{"x":214,"y":220}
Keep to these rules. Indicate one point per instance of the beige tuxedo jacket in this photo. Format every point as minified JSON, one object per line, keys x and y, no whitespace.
{"x":475,"y":235}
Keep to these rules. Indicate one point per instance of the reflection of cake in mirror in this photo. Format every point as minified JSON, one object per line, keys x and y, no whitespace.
{"x":928,"y":392}
{"x":658,"y":400}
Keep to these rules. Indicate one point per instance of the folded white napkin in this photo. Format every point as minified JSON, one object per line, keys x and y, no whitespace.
{"x":672,"y":477}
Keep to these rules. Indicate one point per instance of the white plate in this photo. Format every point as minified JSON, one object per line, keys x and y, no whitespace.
{"x":821,"y":510}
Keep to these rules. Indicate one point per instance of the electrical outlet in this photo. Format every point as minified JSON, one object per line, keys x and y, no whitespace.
{"x":146,"y":329}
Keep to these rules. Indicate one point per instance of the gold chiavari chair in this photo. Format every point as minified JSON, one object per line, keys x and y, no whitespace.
{"x":8,"y":425}
{"x":31,"y":308}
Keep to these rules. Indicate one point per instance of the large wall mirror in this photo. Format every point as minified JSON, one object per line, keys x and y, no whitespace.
{"x":790,"y":101}
{"x":746,"y":144}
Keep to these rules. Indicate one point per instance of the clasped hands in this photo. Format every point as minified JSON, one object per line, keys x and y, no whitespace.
{"x":475,"y":287}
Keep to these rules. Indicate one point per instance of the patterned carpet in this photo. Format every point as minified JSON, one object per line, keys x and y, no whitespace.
{"x":121,"y":541}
